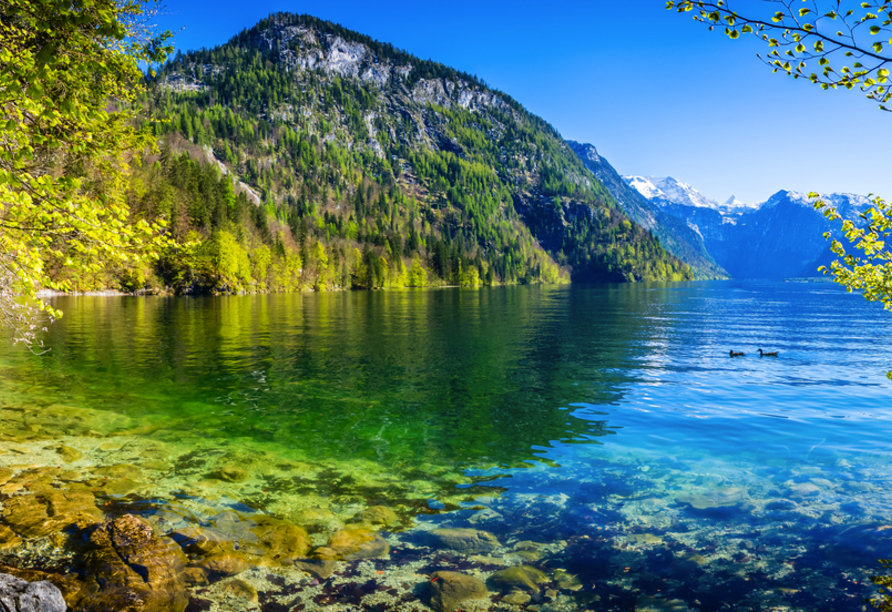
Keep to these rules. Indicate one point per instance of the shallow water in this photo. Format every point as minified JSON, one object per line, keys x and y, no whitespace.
{"x":605,"y":423}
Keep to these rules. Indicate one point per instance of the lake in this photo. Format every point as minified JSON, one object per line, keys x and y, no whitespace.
{"x":598,"y":438}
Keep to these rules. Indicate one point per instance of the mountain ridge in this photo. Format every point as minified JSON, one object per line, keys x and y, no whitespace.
{"x":781,"y":237}
{"x":354,"y":146}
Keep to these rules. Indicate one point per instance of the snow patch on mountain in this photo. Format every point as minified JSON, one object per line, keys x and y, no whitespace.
{"x":644,"y":187}
{"x":679,"y":192}
{"x":663,"y":190}
{"x":667,"y":190}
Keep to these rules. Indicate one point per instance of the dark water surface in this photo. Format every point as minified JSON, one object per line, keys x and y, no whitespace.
{"x":605,"y":423}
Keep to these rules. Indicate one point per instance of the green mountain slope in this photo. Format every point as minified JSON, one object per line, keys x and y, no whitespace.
{"x":372,"y":168}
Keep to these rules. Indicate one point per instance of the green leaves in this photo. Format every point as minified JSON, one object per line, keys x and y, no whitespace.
{"x":60,"y":65}
{"x":788,"y":33}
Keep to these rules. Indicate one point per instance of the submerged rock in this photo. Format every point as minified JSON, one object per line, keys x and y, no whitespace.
{"x":566,"y":581}
{"x":241,"y":590}
{"x":69,"y":454}
{"x":713,"y":500}
{"x":320,"y":568}
{"x":8,"y":538}
{"x":17,"y":595}
{"x":136,"y":570}
{"x":38,"y":515}
{"x":377,"y":515}
{"x":449,"y":589}
{"x":355,"y":544}
{"x":804,"y":489}
{"x":464,"y":540}
{"x":230,"y":473}
{"x":281,"y":541}
{"x":223,"y":565}
{"x":517,"y":598}
{"x":519,"y":578}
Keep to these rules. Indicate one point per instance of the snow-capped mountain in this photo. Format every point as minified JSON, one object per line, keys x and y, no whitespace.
{"x":645,"y":187}
{"x":679,"y":192}
{"x":663,"y":191}
{"x":780,"y":238}
{"x":849,"y":205}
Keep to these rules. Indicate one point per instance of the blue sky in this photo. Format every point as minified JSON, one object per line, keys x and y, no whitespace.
{"x":656,"y":93}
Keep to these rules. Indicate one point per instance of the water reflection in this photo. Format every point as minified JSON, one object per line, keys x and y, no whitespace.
{"x":606,"y":425}
{"x":470,"y":378}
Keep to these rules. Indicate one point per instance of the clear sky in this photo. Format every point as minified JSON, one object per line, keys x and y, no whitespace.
{"x":655,"y":92}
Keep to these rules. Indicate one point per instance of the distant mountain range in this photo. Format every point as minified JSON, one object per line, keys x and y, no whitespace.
{"x":674,"y":233}
{"x":779,"y":238}
{"x":782,"y":237}
{"x":667,"y":190}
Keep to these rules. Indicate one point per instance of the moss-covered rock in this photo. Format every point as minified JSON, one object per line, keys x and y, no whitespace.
{"x":44,"y":513}
{"x":281,"y":541}
{"x":355,"y":544}
{"x":377,"y":515}
{"x":223,"y":564}
{"x":68,"y":454}
{"x":8,"y":538}
{"x":230,"y":473}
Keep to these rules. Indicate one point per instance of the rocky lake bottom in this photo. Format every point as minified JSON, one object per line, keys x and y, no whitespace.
{"x":163,"y":519}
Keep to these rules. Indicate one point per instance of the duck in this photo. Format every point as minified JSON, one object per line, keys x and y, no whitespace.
{"x":736,"y":354}
{"x":764,"y":354}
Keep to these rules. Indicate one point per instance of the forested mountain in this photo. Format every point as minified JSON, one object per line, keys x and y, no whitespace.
{"x":302,"y":154}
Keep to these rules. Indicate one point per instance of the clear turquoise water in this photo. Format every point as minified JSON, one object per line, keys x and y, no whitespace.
{"x":661,"y":464}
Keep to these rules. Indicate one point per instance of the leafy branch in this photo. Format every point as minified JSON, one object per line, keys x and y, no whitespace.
{"x":850,"y":42}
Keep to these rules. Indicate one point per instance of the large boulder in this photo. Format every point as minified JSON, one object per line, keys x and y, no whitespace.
{"x":18,"y":595}
{"x":136,"y":570}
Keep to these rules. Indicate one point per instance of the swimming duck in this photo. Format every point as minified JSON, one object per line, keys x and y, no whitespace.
{"x":735,"y":354}
{"x":763,"y":354}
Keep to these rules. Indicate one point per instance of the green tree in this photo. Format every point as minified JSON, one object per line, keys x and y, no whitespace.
{"x":261,"y":257}
{"x":229,"y":262}
{"x":69,"y":82}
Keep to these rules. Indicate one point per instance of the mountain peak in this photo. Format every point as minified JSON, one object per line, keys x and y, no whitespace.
{"x":667,"y":190}
{"x":585,"y":151}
